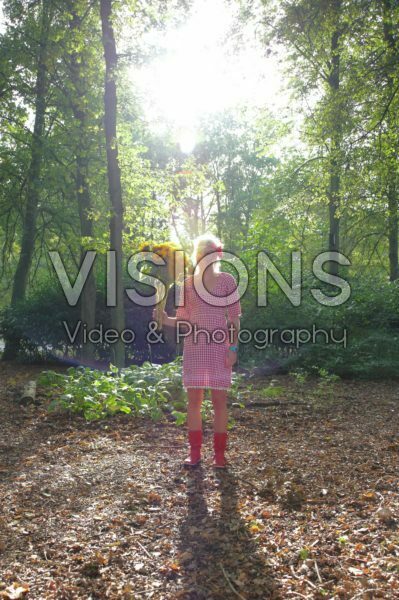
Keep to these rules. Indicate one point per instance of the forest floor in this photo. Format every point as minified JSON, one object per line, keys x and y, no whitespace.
{"x":309,"y":507}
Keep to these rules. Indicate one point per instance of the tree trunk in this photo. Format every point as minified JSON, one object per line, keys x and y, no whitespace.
{"x":114,"y":177}
{"x":88,"y":297}
{"x":33,"y":180}
{"x":336,"y":134}
{"x":392,"y":157}
{"x":218,"y":215}
{"x":393,"y":224}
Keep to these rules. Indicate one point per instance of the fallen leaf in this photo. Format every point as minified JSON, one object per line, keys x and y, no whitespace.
{"x":15,"y":591}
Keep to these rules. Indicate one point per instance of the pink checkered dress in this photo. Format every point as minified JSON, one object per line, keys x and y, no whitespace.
{"x":206,"y":345}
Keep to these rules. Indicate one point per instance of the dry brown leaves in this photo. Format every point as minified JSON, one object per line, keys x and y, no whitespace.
{"x":308,"y":509}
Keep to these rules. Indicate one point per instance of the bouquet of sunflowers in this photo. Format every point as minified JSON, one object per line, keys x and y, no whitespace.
{"x":171,"y":271}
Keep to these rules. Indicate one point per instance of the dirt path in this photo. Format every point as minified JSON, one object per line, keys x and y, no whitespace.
{"x":308,"y":509}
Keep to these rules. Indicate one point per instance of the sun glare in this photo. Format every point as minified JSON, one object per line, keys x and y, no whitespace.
{"x":187,"y":140}
{"x":199,"y":72}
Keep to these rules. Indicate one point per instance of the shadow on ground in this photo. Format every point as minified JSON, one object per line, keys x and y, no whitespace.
{"x":219,"y":558}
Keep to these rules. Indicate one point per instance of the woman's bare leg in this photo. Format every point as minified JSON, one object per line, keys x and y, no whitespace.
{"x":194,"y":418}
{"x":194,"y":426}
{"x":219,"y":401}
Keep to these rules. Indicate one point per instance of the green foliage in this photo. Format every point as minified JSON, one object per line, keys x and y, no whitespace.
{"x":304,"y":554}
{"x":148,"y":390}
{"x":250,"y":178}
{"x":300,"y":376}
{"x":271,"y":391}
{"x":37,"y":322}
{"x":369,"y":317}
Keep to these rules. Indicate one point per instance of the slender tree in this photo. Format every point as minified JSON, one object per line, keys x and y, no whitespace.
{"x":79,"y":83}
{"x":33,"y":179}
{"x":316,"y":34}
{"x":333,"y":79}
{"x":391,"y":146}
{"x":113,"y":170}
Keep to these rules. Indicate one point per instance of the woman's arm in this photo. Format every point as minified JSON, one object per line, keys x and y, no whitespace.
{"x":166,"y":319}
{"x":182,"y":311}
{"x":234,"y":328}
{"x":235,"y":322}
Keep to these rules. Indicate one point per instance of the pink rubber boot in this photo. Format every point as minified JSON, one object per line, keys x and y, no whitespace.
{"x":195,"y":441}
{"x":219,"y":446}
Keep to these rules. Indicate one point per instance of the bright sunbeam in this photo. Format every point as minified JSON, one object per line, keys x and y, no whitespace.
{"x":199,"y":72}
{"x":187,"y":140}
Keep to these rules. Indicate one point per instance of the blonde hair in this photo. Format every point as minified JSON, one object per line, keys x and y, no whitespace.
{"x":205,"y":244}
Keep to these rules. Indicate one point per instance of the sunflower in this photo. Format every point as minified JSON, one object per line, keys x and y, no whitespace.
{"x":167,"y":273}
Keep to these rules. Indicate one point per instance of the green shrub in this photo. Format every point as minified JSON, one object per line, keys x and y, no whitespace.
{"x":38,"y":322}
{"x":145,"y":390}
{"x":370,"y":317}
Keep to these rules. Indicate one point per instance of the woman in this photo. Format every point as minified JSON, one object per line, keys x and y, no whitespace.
{"x":211,"y":312}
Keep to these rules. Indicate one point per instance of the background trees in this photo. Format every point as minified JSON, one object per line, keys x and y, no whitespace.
{"x":79,"y":174}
